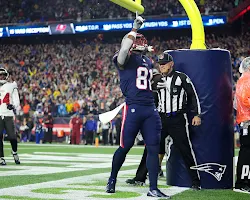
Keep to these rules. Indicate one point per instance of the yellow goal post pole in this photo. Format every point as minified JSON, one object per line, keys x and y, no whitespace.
{"x":194,"y":15}
{"x":130,"y":5}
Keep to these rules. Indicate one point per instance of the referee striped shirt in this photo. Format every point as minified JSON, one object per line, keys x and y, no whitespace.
{"x":178,"y":96}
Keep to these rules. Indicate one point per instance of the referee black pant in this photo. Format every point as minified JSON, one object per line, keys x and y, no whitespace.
{"x":176,"y":127}
{"x":243,"y":165}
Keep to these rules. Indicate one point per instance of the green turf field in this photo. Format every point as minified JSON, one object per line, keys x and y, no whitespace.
{"x":80,"y":173}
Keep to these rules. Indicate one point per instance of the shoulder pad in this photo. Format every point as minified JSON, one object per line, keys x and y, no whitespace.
{"x":14,"y":84}
{"x":10,"y":86}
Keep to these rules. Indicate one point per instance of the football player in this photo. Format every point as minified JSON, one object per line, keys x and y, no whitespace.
{"x":9,"y":104}
{"x":139,"y":113}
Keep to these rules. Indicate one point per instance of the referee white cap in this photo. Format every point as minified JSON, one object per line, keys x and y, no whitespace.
{"x":245,"y":65}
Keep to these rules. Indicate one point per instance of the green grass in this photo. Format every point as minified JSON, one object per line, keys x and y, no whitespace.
{"x":34,"y":164}
{"x":23,"y":198}
{"x":71,"y":149}
{"x":10,"y":181}
{"x":19,"y":180}
{"x":211,"y":195}
{"x":118,"y":195}
{"x":8,"y":169}
{"x":94,"y":183}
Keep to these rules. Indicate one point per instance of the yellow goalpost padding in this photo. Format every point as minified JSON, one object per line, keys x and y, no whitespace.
{"x":198,"y":33}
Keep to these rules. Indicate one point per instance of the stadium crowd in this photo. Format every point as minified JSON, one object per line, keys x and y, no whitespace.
{"x":28,"y":11}
{"x":64,"y":78}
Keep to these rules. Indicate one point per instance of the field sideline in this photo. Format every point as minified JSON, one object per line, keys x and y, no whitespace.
{"x":80,"y":173}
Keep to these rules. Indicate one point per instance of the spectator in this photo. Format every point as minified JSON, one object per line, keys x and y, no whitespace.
{"x":49,"y":122}
{"x":63,"y":72}
{"x":62,"y":112}
{"x":24,"y":131}
{"x":26,"y":109}
{"x":76,"y":123}
{"x":69,"y":106}
{"x":106,"y":129}
{"x":30,"y":124}
{"x":90,"y":129}
{"x":39,"y":131}
{"x":40,"y":11}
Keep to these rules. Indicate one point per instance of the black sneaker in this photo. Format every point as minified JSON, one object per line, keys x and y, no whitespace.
{"x":2,"y":161}
{"x":245,"y":189}
{"x":134,"y":182}
{"x":16,"y":158}
{"x":196,"y":187}
{"x":111,"y":186}
{"x":161,"y":174}
{"x":157,"y":193}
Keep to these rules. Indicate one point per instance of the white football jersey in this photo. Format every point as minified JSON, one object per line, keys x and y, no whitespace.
{"x":8,"y":95}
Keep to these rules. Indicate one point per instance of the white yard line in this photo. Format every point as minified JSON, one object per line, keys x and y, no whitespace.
{"x":68,"y":145}
{"x":70,"y":194}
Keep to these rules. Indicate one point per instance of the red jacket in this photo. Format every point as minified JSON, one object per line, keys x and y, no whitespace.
{"x":76,"y":123}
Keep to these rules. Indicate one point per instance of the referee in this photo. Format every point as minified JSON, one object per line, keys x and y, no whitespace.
{"x":175,"y":95}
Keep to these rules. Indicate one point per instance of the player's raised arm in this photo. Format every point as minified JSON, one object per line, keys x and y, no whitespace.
{"x":128,"y":40}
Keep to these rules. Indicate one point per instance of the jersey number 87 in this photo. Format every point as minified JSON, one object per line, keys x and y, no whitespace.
{"x":142,"y":81}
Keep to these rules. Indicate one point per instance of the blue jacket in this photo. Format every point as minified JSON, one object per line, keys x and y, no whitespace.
{"x":62,"y":110}
{"x":90,"y":125}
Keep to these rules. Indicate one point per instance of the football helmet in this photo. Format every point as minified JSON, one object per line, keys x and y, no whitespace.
{"x":140,"y":43}
{"x":4,"y":75}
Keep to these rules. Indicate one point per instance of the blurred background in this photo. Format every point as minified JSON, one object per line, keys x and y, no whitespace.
{"x":60,"y":54}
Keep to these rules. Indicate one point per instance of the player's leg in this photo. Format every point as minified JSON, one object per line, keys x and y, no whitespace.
{"x":130,"y":128}
{"x":11,"y":132}
{"x":179,"y":131}
{"x":2,"y":161}
{"x":151,"y":132}
{"x":141,"y":173}
{"x":243,"y":182}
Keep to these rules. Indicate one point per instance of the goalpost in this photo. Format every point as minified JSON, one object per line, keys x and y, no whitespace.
{"x":210,"y":71}
{"x":198,"y":33}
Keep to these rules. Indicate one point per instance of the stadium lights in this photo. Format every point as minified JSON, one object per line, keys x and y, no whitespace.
{"x":130,"y":5}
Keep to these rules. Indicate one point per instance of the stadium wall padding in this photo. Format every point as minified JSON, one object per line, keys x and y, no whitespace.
{"x":211,"y":74}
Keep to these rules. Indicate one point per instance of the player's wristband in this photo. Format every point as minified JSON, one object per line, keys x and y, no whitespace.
{"x":132,"y":33}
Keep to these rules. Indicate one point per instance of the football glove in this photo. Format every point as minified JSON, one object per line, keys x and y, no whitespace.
{"x":150,"y":48}
{"x":138,"y":22}
{"x":162,"y":84}
{"x":10,"y":107}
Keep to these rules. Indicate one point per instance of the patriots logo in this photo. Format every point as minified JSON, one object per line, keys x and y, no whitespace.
{"x":215,"y":169}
